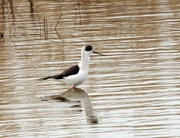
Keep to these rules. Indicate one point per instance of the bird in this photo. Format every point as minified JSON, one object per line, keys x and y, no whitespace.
{"x":77,"y":74}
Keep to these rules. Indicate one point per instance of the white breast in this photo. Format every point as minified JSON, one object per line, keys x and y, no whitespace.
{"x":76,"y":79}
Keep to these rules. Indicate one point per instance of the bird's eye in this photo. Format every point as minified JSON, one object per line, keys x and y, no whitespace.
{"x":88,"y":48}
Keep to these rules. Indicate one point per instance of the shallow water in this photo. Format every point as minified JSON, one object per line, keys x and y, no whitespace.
{"x":132,"y":92}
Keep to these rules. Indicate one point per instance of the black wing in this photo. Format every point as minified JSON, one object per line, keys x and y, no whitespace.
{"x":70,"y":71}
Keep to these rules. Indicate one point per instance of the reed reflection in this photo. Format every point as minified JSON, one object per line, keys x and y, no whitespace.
{"x":81,"y":96}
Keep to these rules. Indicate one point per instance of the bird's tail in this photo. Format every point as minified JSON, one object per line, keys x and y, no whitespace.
{"x":46,"y":78}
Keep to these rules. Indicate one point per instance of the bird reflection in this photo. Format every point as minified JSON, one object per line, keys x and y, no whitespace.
{"x":81,"y":96}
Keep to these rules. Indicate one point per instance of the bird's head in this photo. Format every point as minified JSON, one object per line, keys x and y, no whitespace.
{"x":88,"y":49}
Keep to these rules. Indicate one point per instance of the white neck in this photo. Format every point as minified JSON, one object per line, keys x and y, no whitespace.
{"x":84,"y":63}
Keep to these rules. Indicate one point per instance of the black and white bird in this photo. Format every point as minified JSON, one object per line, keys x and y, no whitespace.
{"x":76,"y":74}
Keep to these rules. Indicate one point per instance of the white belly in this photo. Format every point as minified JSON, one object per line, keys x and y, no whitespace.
{"x":76,"y":79}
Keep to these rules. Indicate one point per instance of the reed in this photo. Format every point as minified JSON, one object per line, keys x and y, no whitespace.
{"x":56,"y":27}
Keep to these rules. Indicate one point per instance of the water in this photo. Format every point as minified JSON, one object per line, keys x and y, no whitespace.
{"x":131,"y":92}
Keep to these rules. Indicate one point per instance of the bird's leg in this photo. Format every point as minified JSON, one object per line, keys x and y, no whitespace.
{"x":73,"y":87}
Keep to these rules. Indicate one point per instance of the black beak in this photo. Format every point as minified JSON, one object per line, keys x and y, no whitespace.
{"x":98,"y":53}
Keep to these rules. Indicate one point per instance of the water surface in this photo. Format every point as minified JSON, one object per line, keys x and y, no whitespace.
{"x":132,"y":92}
